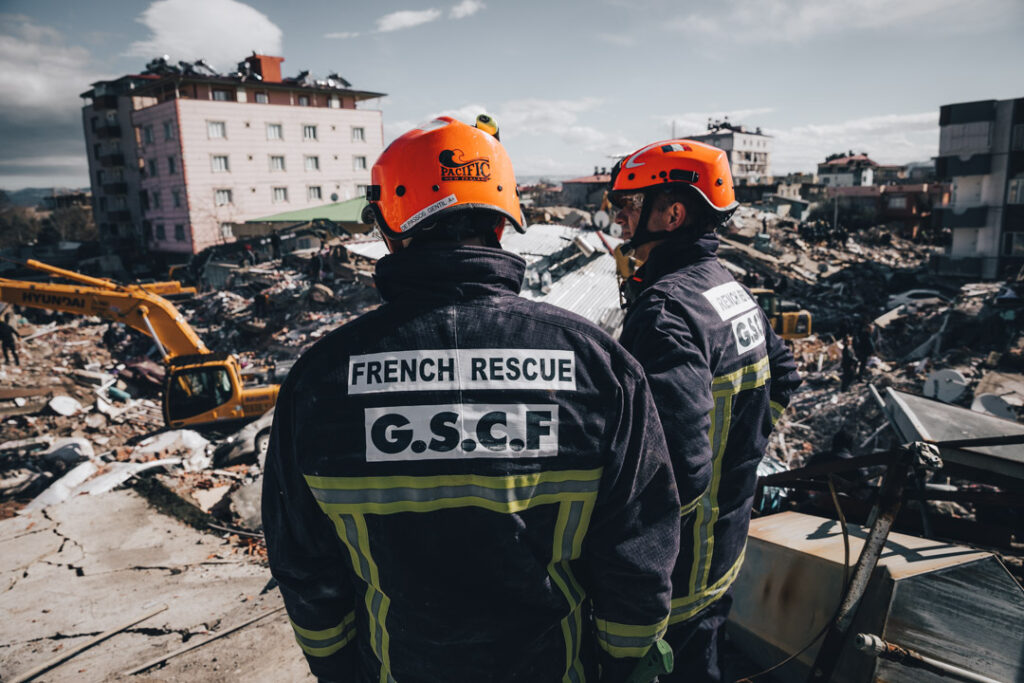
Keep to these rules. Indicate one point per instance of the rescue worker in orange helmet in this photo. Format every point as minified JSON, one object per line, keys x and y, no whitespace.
{"x":464,"y":485}
{"x":719,"y":374}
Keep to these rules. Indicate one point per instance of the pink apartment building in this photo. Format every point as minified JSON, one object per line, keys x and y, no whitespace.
{"x":178,"y":155}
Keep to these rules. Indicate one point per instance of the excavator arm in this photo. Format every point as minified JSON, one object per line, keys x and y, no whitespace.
{"x":133,"y":305}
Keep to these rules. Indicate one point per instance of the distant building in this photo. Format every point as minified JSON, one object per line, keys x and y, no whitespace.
{"x":849,"y":170}
{"x":586,"y":191}
{"x":981,"y":151}
{"x":179,"y":153}
{"x":66,"y":200}
{"x":750,"y":152}
{"x":890,"y":174}
{"x":907,"y":208}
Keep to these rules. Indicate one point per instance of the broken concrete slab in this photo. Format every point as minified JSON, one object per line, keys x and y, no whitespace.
{"x":62,"y":489}
{"x":245,"y":503}
{"x":59,"y":593}
{"x":64,"y":405}
{"x":211,"y":497}
{"x":68,"y":451}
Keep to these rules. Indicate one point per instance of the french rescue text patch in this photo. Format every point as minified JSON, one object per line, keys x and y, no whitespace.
{"x":442,"y":432}
{"x":729,"y":300}
{"x":748,"y":330}
{"x":466,"y":369}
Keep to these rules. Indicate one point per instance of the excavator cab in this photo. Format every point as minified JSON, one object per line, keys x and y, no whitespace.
{"x":787,"y":320}
{"x":206,"y":388}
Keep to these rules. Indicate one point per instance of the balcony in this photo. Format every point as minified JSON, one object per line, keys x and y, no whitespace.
{"x":975,"y":217}
{"x":104,"y":102}
{"x":120,"y":216}
{"x":108,"y":132}
{"x":952,"y":166}
{"x":112,"y":160}
{"x":115,"y":188}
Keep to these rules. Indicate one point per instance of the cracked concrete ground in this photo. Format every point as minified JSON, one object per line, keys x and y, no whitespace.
{"x":77,"y":569}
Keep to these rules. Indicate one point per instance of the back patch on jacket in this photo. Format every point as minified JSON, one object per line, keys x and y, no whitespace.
{"x":461,"y":430}
{"x":733,"y":303}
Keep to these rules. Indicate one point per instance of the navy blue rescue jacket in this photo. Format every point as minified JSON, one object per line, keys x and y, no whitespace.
{"x":464,"y":485}
{"x":720,"y":378}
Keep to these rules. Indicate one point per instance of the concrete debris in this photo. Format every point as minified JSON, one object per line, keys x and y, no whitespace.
{"x":65,"y":405}
{"x":63,"y":488}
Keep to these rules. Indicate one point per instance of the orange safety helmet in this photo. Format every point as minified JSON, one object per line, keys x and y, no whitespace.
{"x":438,"y":169}
{"x":672,"y":163}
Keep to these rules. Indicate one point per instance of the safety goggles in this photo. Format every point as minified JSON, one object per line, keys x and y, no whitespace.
{"x":627,"y":200}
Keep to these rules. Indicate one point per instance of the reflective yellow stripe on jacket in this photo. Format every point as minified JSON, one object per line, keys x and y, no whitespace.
{"x":347,"y":500}
{"x":326,"y":642}
{"x":628,"y":640}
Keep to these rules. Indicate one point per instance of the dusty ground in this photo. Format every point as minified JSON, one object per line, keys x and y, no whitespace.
{"x":77,"y":569}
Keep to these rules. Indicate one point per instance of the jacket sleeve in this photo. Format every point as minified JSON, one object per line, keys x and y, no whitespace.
{"x":634,"y":535}
{"x":306,"y":556}
{"x":785,"y":379}
{"x":680,"y":381}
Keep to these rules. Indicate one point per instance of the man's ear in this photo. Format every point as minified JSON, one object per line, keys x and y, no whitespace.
{"x":675,"y":216}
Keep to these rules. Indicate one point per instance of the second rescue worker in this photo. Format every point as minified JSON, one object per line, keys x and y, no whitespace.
{"x":433,"y":515}
{"x":719,"y":374}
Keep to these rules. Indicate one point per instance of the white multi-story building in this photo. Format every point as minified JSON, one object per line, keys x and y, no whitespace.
{"x":749,"y":152}
{"x":178,"y":156}
{"x":981,"y":151}
{"x":847,"y":170}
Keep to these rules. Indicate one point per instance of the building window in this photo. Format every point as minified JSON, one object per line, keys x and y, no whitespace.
{"x":280,"y":194}
{"x":312,"y":163}
{"x":262,"y":98}
{"x":303,"y":100}
{"x":359,"y":163}
{"x":220,"y":163}
{"x":172,"y":166}
{"x":225,"y":231}
{"x":176,"y":198}
{"x":216,"y":130}
{"x":179,"y":232}
{"x":309,"y":132}
{"x":275,"y":131}
{"x":1013,"y":244}
{"x":168,"y":130}
{"x":222,"y":197}
{"x":277,"y":163}
{"x":334,"y":102}
{"x":361,"y":190}
{"x":161,"y":234}
{"x":359,"y":134}
{"x":1015,"y":191}
{"x":1017,"y":138}
{"x":96,"y":150}
{"x":896,"y":203}
{"x":221,"y":95}
{"x":153,"y":170}
{"x":147,"y":135}
{"x":313,"y":193}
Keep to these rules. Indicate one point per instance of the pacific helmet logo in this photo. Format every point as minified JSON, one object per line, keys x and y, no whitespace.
{"x":455,"y":167}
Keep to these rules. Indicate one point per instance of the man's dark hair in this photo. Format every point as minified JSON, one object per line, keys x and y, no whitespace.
{"x":700,"y":217}
{"x":462,"y":225}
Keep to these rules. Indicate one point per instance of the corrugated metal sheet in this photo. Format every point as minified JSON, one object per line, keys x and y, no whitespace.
{"x":370,"y":249}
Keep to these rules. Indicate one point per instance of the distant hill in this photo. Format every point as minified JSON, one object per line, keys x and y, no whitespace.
{"x":32,"y":196}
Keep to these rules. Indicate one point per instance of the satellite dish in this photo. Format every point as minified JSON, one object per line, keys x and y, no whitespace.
{"x":993,"y":404}
{"x":946,"y":385}
{"x":602,"y":220}
{"x":615,"y":230}
{"x":334,"y":196}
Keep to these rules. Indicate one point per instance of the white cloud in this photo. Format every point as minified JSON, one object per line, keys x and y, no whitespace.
{"x":798,"y":20}
{"x":41,"y":75}
{"x":621,"y":40}
{"x":397,"y":21}
{"x":894,"y":138}
{"x":342,"y":34}
{"x":221,"y":31}
{"x":466,"y":8}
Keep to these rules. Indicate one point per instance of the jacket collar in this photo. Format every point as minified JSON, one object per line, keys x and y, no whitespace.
{"x":441,"y":272}
{"x":672,"y":255}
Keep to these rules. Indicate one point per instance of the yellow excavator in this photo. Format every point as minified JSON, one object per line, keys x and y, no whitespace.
{"x":201,"y":387}
{"x":788,"y":324}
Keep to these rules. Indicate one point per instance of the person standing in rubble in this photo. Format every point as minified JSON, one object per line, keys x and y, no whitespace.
{"x":9,"y":339}
{"x":865,"y":347}
{"x":719,"y":374}
{"x":464,"y":485}
{"x":849,"y":362}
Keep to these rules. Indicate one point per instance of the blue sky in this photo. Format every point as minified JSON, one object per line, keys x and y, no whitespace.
{"x":571,"y":83}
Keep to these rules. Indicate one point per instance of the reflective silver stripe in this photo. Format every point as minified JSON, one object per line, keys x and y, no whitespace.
{"x":374,"y":597}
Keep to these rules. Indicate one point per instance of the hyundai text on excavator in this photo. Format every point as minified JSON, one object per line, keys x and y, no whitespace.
{"x":201,"y":387}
